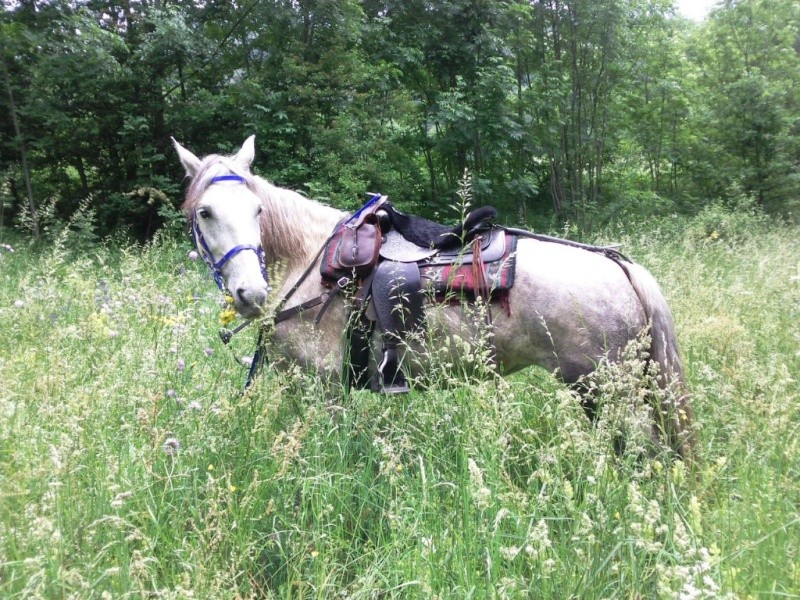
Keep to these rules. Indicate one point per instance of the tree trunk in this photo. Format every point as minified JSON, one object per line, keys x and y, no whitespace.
{"x":22,"y":151}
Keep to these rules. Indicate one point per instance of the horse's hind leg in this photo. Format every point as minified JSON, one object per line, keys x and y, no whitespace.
{"x":588,"y":400}
{"x":589,"y":404}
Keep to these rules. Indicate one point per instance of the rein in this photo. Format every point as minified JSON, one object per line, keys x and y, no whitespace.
{"x":260,"y":354}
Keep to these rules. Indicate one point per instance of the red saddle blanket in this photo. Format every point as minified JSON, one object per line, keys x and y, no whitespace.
{"x":466,"y":281}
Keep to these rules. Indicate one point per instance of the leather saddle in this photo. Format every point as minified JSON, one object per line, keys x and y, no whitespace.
{"x":390,"y":272}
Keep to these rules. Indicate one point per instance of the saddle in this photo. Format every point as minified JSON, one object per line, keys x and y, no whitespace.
{"x":383,"y":233}
{"x":394,"y":257}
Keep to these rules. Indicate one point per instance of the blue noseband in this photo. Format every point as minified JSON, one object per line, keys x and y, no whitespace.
{"x":231,"y":177}
{"x":208,"y":256}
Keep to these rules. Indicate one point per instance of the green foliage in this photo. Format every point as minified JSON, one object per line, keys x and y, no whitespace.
{"x":728,"y":222}
{"x":567,"y":111}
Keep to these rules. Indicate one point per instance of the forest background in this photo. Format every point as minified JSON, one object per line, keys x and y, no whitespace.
{"x":562,"y":110}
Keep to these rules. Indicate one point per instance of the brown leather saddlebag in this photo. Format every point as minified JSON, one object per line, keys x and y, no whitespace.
{"x":353,"y":250}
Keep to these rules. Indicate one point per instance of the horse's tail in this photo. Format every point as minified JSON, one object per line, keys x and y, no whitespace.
{"x":674,"y":411}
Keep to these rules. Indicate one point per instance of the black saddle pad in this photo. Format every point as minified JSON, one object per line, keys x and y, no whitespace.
{"x":428,"y":234}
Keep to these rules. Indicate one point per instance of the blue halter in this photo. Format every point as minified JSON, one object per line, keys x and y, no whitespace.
{"x":208,"y":256}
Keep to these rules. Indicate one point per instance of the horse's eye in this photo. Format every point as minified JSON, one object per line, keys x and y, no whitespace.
{"x":204,"y":213}
{"x":259,"y":211}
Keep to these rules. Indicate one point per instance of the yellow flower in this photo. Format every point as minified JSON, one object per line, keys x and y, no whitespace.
{"x":210,"y":467}
{"x":227,"y":316}
{"x":314,"y":554}
{"x":232,"y":488}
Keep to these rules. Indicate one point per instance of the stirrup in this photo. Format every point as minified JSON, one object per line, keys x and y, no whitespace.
{"x":391,"y":379}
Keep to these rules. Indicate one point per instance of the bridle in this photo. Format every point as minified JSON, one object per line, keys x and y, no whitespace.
{"x":216,"y":265}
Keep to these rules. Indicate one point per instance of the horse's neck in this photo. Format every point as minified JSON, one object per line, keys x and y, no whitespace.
{"x":294,"y":228}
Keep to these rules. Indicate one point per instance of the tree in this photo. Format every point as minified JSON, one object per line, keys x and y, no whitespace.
{"x":749,"y":68}
{"x":8,"y":31}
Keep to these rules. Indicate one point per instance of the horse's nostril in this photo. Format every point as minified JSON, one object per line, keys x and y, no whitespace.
{"x":259,"y":297}
{"x":252,"y":297}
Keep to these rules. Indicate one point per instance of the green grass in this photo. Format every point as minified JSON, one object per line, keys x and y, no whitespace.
{"x":131,"y":465}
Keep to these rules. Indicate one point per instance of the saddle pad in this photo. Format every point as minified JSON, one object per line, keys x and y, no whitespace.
{"x":397,"y":248}
{"x":493,"y":247}
{"x":459,"y":278}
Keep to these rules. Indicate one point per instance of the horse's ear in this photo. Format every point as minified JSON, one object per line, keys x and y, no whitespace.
{"x":189,"y":161}
{"x":247,"y":153}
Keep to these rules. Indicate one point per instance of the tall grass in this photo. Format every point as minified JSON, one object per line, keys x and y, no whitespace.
{"x":132,"y":466}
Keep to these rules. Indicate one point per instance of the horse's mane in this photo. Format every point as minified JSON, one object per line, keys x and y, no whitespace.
{"x":293,"y":227}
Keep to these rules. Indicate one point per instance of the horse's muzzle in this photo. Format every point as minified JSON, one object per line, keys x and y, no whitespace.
{"x":250,"y":302}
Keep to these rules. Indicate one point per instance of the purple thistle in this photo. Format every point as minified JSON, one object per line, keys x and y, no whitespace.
{"x":171,"y":446}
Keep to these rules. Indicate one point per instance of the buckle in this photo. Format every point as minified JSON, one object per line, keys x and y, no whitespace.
{"x":343,"y":282}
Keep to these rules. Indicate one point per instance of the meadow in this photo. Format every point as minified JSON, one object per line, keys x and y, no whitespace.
{"x":133,"y":466}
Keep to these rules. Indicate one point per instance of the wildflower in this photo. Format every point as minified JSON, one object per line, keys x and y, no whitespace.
{"x":171,"y":446}
{"x":247,"y":361}
{"x":481,"y":494}
{"x":209,"y":351}
{"x":314,"y":554}
{"x":181,"y":365}
{"x":193,"y":255}
{"x":695,"y":519}
{"x":7,"y":247}
{"x":171,"y":393}
{"x":232,"y":488}
{"x":538,"y":539}
{"x":194,"y":405}
{"x":227,"y":316}
{"x":19,"y":303}
{"x":210,"y":468}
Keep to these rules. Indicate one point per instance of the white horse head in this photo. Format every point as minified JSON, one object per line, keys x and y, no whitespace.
{"x":223,"y":209}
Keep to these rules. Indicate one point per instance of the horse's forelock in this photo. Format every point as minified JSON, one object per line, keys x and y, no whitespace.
{"x":213,"y":166}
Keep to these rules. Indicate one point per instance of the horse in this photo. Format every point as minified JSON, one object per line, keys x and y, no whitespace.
{"x":569,"y":309}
